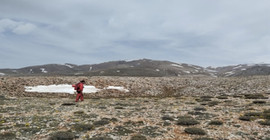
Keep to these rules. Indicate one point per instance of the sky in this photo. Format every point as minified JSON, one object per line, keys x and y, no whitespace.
{"x":200,"y":32}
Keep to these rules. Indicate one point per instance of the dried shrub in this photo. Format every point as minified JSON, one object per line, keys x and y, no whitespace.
{"x":250,"y":116}
{"x":138,"y":137}
{"x":215,"y":122}
{"x":83,"y":127}
{"x":200,"y":109}
{"x":259,"y":102}
{"x":62,"y":135}
{"x":186,"y":121}
{"x":255,"y":96}
{"x":167,"y":118}
{"x":195,"y":131}
{"x":222,"y":97}
{"x":265,"y":122}
{"x":212,"y":103}
{"x":204,"y":138}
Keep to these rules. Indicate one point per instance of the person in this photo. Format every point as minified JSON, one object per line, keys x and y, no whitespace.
{"x":79,"y":89}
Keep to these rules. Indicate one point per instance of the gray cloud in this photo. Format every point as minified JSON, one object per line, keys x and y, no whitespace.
{"x":199,"y":32}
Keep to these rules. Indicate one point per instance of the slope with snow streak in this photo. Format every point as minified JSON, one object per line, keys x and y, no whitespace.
{"x":65,"y":88}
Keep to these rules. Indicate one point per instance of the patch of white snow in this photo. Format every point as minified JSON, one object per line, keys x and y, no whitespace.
{"x":2,"y":74}
{"x":43,"y":70}
{"x":177,"y":65}
{"x":117,"y":88}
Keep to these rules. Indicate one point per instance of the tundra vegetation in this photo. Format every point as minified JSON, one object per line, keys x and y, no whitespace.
{"x":169,"y":108}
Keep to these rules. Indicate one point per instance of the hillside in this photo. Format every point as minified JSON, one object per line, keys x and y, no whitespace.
{"x":142,"y":67}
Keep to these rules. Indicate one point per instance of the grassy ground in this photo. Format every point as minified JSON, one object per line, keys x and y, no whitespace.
{"x":184,"y":117}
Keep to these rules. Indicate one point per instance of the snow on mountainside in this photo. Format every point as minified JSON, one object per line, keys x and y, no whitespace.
{"x":142,"y":67}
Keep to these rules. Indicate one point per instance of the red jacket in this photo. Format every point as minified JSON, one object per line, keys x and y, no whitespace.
{"x":79,"y":87}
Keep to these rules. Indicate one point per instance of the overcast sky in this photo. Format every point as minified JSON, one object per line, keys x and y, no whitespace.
{"x":200,"y":32}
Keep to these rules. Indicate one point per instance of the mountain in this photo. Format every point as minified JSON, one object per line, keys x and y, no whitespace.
{"x":142,"y":67}
{"x":242,"y":70}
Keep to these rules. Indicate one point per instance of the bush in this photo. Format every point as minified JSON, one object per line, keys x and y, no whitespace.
{"x":212,"y":103}
{"x":83,"y":127}
{"x":259,"y":102}
{"x":138,"y":137}
{"x":265,"y":122}
{"x":250,"y":116}
{"x":101,"y":122}
{"x":200,"y":109}
{"x":195,"y":131}
{"x":216,"y":122}
{"x":203,"y":138}
{"x":255,"y":96}
{"x":62,"y":135}
{"x":167,"y":118}
{"x":186,"y":120}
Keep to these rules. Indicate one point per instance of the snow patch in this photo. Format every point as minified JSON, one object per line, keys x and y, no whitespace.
{"x":177,"y":65}
{"x":186,"y":71}
{"x":117,"y":88}
{"x":90,"y":68}
{"x":2,"y":74}
{"x":243,"y":69}
{"x":65,"y":88}
{"x":157,"y":70}
{"x":70,"y":66}
{"x":43,"y":70}
{"x":229,"y":73}
{"x":237,"y":67}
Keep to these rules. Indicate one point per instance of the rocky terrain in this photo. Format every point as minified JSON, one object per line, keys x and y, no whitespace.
{"x":155,"y":108}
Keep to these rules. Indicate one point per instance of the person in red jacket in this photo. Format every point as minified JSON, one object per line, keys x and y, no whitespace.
{"x":79,"y":88}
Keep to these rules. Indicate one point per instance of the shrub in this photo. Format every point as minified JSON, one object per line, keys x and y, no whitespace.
{"x":203,"y":138}
{"x":186,"y":120}
{"x":222,"y":97}
{"x":83,"y":127}
{"x":195,"y":131}
{"x":138,"y":137}
{"x":101,"y":122}
{"x":259,"y":102}
{"x":212,"y":103}
{"x":255,"y":96}
{"x":100,"y":138}
{"x":249,"y":116}
{"x":265,"y":122}
{"x":62,"y":135}
{"x":200,"y":109}
{"x":7,"y":136}
{"x":167,"y":118}
{"x":216,"y":122}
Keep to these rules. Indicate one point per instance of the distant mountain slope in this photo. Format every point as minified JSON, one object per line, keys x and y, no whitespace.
{"x":243,"y":70}
{"x":142,"y":67}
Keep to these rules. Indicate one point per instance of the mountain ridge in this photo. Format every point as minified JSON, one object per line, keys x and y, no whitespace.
{"x":140,"y":67}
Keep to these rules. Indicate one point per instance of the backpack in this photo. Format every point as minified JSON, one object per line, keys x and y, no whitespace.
{"x":76,"y":87}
